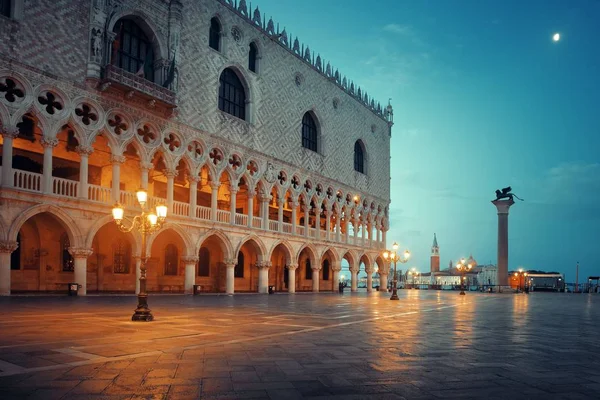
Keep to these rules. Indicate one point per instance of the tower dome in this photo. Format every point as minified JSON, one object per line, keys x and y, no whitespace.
{"x":472,"y":261}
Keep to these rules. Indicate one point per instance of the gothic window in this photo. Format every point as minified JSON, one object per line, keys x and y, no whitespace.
{"x":27,"y":128}
{"x":5,"y":8}
{"x":214,"y":34}
{"x":204,"y":262}
{"x":326,"y":270}
{"x":307,"y":270}
{"x":121,"y":257}
{"x":133,"y":49}
{"x":309,"y":132}
{"x":238,"y":271}
{"x":66,"y":261}
{"x":359,"y":159}
{"x":232,"y":97}
{"x":15,"y":256}
{"x":171,"y":259}
{"x":252,"y":57}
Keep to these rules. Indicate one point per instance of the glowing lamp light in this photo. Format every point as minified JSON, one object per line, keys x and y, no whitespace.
{"x":407,"y":254}
{"x":161,"y":211}
{"x":118,"y":212}
{"x":153,"y":219}
{"x":395,"y":246}
{"x":556,"y":37}
{"x":386,"y":255}
{"x":142,"y":196}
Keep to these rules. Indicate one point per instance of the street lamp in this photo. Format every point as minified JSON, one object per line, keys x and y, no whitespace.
{"x":463,"y":267}
{"x":414,"y":274}
{"x":146,"y":223}
{"x":393,"y":256}
{"x":521,"y":275}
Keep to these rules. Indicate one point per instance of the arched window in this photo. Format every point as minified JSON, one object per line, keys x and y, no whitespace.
{"x":326,"y":270}
{"x":121,"y":257}
{"x":359,"y":160}
{"x":232,"y":97}
{"x":307,"y":270}
{"x":309,"y":132}
{"x":214,"y":34}
{"x":252,"y":57}
{"x":66,"y":259}
{"x":132,"y":49}
{"x":238,"y":271}
{"x":5,"y":8}
{"x":204,"y":262}
{"x":15,"y":256}
{"x":171,"y":259}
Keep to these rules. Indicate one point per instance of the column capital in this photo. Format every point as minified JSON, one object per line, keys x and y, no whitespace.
{"x":117,"y":159}
{"x":193,"y":179}
{"x":170,"y":173}
{"x":354,"y":269}
{"x":293,"y":267}
{"x":230,"y":262}
{"x":84,"y":150}
{"x":8,"y":246}
{"x":233,"y":188}
{"x":48,"y":142}
{"x":503,"y":205}
{"x":80,"y":252}
{"x":263,"y":265}
{"x":215,"y":185}
{"x":146,"y":166}
{"x":189,"y":259}
{"x":10,"y":133}
{"x":315,"y":267}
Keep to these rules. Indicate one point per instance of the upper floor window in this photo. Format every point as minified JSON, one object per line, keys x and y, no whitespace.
{"x":309,"y":132}
{"x":359,"y":157}
{"x":232,"y":97}
{"x":204,"y":262}
{"x":5,"y":8}
{"x":214,"y":34}
{"x":252,"y":57}
{"x":133,"y":49}
{"x":171,"y":259}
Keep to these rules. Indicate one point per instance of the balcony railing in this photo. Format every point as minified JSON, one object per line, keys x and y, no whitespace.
{"x":127,"y":81}
{"x":64,"y":187}
{"x":99,"y":194}
{"x":29,"y":181}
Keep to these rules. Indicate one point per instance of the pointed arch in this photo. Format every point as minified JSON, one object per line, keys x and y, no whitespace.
{"x":112,"y":142}
{"x":215,"y":33}
{"x":360,"y":157}
{"x":40,"y":119}
{"x":350,"y":256}
{"x":311,"y":131}
{"x":258,"y":245}
{"x":187,"y":241}
{"x":288,"y":247}
{"x":312,"y":253}
{"x":241,"y":105}
{"x":364,"y":258}
{"x":108,"y":219}
{"x":69,"y":225}
{"x":334,"y":254}
{"x":3,"y":229}
{"x":222,"y":238}
{"x":254,"y":57}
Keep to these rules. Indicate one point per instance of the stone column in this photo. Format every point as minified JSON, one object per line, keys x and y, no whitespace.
{"x":250,"y":195}
{"x":116,"y":161}
{"x":383,"y":282}
{"x":84,"y":152}
{"x":232,"y":203}
{"x":263,"y":277}
{"x":315,"y":278}
{"x":383,"y":235}
{"x":347,"y":230}
{"x":354,"y":278}
{"x":294,"y":216}
{"x":338,"y":227}
{"x":363,"y":224}
{"x":7,"y":155}
{"x":328,"y":224}
{"x":264,"y":207}
{"x":306,"y":218}
{"x":145,"y":167}
{"x":355,"y":224}
{"x":6,"y":248}
{"x":502,"y":207}
{"x":280,"y":201}
{"x":193,"y":195}
{"x":48,"y":143}
{"x":214,"y":197}
{"x":336,"y":267}
{"x":190,"y":273}
{"x":318,"y":223}
{"x":292,"y":277}
{"x":230,"y":265}
{"x":138,"y":273}
{"x":80,"y":256}
{"x":170,"y":174}
{"x":370,"y":233}
{"x":369,"y":279}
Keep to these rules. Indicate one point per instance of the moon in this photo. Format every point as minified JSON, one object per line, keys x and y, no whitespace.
{"x":556,"y":37}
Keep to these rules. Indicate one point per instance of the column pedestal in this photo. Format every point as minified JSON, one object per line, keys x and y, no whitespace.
{"x":502,"y":207}
{"x":190,"y":274}
{"x":6,"y":248}
{"x":292,"y":278}
{"x":80,"y":257}
{"x":263,"y":278}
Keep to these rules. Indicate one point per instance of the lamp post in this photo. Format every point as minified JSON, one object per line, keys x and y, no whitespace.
{"x":463,"y":267}
{"x":521,"y":275}
{"x":414,"y":274}
{"x":393,"y":256}
{"x":146,"y":223}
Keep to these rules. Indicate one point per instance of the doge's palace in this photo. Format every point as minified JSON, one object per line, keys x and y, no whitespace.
{"x":273,"y":165}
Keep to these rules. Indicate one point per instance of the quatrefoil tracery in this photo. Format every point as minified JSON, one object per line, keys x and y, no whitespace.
{"x":282,"y":178}
{"x":252,"y":168}
{"x":172,"y":142}
{"x":118,"y":124}
{"x":216,"y":156}
{"x":146,"y":134}
{"x":295,"y":182}
{"x":307,"y":186}
{"x":235,"y":161}
{"x":50,"y":102}
{"x":10,"y":90}
{"x":86,"y":114}
{"x":195,"y":150}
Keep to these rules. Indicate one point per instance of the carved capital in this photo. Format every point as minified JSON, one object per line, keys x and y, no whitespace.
{"x":146,"y":166}
{"x":84,"y":150}
{"x":354,"y":269}
{"x":215,"y":185}
{"x":230,"y":262}
{"x":292,"y":267}
{"x":80,"y":252}
{"x":170,"y":173}
{"x":48,"y":142}
{"x":117,"y":159}
{"x":315,"y":267}
{"x":9,"y":133}
{"x":263,"y":265}
{"x":8,"y":246}
{"x":193,"y":179}
{"x":189,"y":259}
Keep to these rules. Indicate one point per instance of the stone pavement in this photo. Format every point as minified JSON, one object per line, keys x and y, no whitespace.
{"x":428,"y":345}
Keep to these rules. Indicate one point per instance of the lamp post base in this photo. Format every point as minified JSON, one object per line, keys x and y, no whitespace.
{"x":462,"y":293}
{"x":142,"y":312}
{"x":394,"y":296}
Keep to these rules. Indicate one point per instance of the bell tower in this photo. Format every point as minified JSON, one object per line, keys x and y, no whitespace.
{"x":435,"y":256}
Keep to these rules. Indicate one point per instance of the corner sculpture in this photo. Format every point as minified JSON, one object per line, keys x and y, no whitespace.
{"x":505,"y":193}
{"x":504,"y":199}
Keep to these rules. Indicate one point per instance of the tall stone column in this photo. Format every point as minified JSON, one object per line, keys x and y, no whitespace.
{"x":193,"y":195}
{"x":264,"y":207}
{"x":6,"y":248}
{"x":116,"y":161}
{"x":48,"y":143}
{"x":80,"y":257}
{"x":354,"y":278}
{"x":170,"y":174}
{"x":250,"y":195}
{"x":214,"y":197}
{"x":230,"y":278}
{"x":383,"y":277}
{"x":84,"y":152}
{"x":318,"y":223}
{"x":294,"y":216}
{"x":338,"y":227}
{"x":292,"y":277}
{"x":336,"y":267}
{"x":263,"y":277}
{"x":232,"y":203}
{"x":7,"y":155}
{"x":145,"y":167}
{"x":328,"y":224}
{"x":190,"y":273}
{"x":369,"y":279}
{"x":315,"y":278}
{"x":502,"y":207}
{"x":280,"y":200}
{"x":306,"y":219}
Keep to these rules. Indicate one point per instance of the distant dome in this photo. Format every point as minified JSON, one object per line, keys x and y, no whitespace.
{"x":472,"y":261}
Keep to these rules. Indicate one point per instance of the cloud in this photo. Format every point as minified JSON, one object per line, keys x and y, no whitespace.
{"x":399,"y":29}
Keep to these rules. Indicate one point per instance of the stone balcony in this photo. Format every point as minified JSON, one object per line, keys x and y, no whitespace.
{"x":134,"y":86}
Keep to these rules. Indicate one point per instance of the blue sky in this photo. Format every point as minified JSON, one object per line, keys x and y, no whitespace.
{"x":483,"y":99}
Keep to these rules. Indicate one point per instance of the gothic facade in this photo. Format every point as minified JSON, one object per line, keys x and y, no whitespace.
{"x":273,"y":165}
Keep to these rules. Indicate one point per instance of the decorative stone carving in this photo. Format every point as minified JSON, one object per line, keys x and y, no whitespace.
{"x":270,"y":174}
{"x":84,"y":150}
{"x":96,"y":50}
{"x":117,"y":159}
{"x":236,"y":34}
{"x":80,"y":252}
{"x":293,"y":267}
{"x":189,"y":259}
{"x":11,"y":90}
{"x":8,"y":246}
{"x":46,"y":142}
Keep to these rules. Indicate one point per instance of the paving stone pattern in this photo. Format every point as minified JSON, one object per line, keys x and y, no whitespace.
{"x":428,"y":345}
